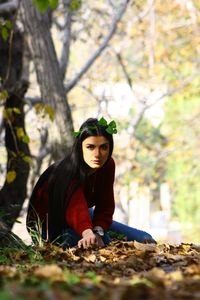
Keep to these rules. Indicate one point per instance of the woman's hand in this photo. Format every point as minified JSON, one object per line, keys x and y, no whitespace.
{"x":89,"y":239}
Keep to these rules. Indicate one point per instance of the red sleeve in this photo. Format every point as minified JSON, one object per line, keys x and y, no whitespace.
{"x":77,"y":215}
{"x":105,"y":204}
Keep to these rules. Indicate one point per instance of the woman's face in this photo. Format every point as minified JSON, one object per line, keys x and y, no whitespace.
{"x":95,"y":151}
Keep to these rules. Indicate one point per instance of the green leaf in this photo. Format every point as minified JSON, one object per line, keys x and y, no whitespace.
{"x":111,"y":130}
{"x":53,"y":4}
{"x":112,"y":124}
{"x":27,"y":159}
{"x":16,"y":110}
{"x":76,"y":133}
{"x":93,"y":276}
{"x":8,"y":24}
{"x":42,"y":5}
{"x":4,"y":33}
{"x":112,"y":127}
{"x":71,"y":278}
{"x":75,"y":4}
{"x":3,"y":95}
{"x":102,"y":122}
{"x":13,"y":154}
{"x":26,"y":139}
{"x":17,"y":221}
{"x":21,"y":135}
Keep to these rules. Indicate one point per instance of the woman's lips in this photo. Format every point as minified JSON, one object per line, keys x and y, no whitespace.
{"x":96,"y":161}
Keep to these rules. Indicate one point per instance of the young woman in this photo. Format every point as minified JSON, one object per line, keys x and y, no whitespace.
{"x":73,"y":199}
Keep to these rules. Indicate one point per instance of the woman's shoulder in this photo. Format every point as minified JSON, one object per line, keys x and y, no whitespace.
{"x":107,"y":173}
{"x":109,"y":166}
{"x":111,"y":162}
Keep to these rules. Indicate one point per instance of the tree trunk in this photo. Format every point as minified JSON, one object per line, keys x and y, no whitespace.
{"x":9,"y":239}
{"x":13,"y":194}
{"x":49,"y":75}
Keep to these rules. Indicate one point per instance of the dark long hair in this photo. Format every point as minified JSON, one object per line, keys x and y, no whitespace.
{"x":70,"y":173}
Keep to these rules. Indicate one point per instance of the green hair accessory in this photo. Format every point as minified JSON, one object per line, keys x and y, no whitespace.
{"x":111,"y":127}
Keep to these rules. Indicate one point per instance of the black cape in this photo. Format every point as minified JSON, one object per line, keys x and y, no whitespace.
{"x":32,"y":219}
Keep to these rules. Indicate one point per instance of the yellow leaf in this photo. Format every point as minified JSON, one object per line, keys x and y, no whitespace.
{"x":3,"y":95}
{"x":20,"y":132}
{"x":16,"y":110}
{"x":90,"y":258}
{"x":27,"y":159}
{"x":10,"y":177}
{"x":49,"y":110}
{"x":176,"y":275}
{"x":38,"y":108}
{"x":102,"y":258}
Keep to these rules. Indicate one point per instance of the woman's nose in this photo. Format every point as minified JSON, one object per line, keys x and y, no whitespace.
{"x":97,"y":152}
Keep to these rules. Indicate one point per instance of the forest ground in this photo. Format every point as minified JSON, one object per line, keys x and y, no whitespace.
{"x":121,"y":271}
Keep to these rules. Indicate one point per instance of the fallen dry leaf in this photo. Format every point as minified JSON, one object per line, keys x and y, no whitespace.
{"x":8,"y":271}
{"x":52,"y":272}
{"x":145,"y":247}
{"x":115,"y":272}
{"x":90,"y":258}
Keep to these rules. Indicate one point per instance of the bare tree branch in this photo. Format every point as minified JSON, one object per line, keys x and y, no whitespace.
{"x":97,"y":53}
{"x":127,"y":76}
{"x":66,"y":39}
{"x":9,"y":7}
{"x":168,"y":93}
{"x":181,"y":86}
{"x":144,"y":13}
{"x":33,"y":100}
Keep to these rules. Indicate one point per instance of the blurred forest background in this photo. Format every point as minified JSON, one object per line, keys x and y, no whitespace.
{"x":136,"y":62}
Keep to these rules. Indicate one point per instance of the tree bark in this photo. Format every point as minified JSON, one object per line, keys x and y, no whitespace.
{"x":13,"y":194}
{"x":8,"y":7}
{"x":49,"y":75}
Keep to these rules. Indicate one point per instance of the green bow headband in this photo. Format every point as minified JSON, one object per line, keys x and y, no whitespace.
{"x":111,"y":127}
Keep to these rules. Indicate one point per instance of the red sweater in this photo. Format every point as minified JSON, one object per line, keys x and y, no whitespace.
{"x":97,"y":192}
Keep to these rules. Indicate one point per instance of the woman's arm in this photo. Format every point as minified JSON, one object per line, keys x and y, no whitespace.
{"x":77,"y":217}
{"x":105,"y":204}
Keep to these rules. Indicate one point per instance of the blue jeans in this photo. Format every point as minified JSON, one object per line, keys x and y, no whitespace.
{"x":71,"y":237}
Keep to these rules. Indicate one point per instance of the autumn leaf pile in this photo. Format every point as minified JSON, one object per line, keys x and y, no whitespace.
{"x":121,"y":271}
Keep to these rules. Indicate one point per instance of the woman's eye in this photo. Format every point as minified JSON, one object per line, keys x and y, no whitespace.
{"x":90,"y":147}
{"x":104,"y":147}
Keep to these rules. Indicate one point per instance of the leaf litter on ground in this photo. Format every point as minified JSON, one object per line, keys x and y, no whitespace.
{"x":123,"y":270}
